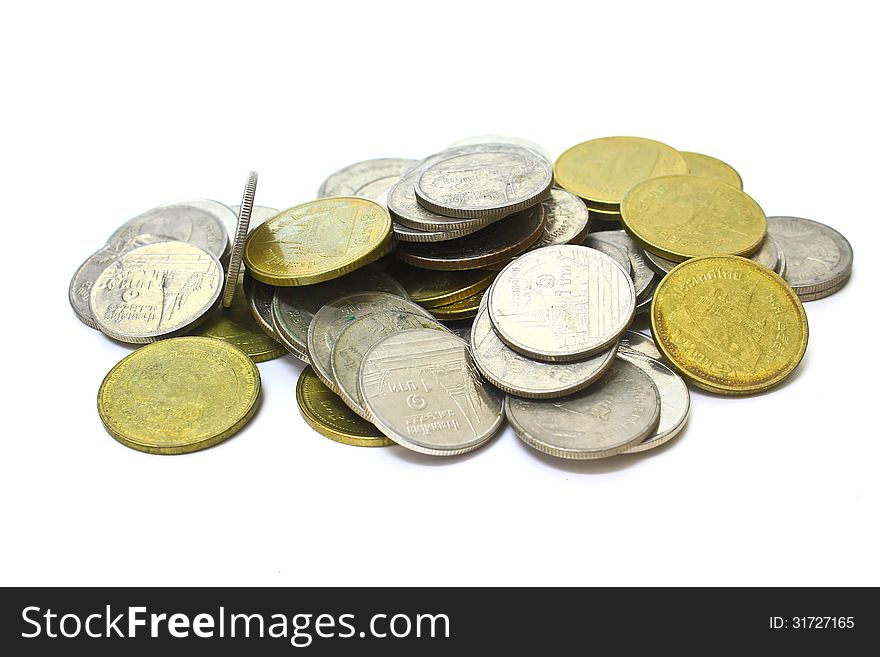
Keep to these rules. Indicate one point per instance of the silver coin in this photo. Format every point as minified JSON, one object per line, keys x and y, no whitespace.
{"x":767,"y":254}
{"x":406,"y":210}
{"x":294,"y":307}
{"x":496,"y":182}
{"x":615,"y":413}
{"x":817,"y":257}
{"x":85,"y":276}
{"x":642,"y":274}
{"x":156,"y":291}
{"x":233,"y":268}
{"x":659,"y":264}
{"x":639,"y":343}
{"x":566,"y":220}
{"x":422,"y":391}
{"x":407,"y":234}
{"x":349,"y":180}
{"x":259,"y":215}
{"x":356,"y":339}
{"x":524,"y":377}
{"x":496,"y":243}
{"x":502,"y":139}
{"x":259,"y":297}
{"x":815,"y":296}
{"x":222,"y":212}
{"x":643,"y":305}
{"x":180,"y":222}
{"x":675,"y":399}
{"x":333,"y":318}
{"x":460,"y":327}
{"x":561,"y":303}
{"x":617,"y":254}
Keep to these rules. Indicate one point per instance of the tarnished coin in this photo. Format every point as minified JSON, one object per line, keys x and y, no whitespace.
{"x":617,"y":254}
{"x":421,"y":389}
{"x":356,"y":339}
{"x":241,"y":232}
{"x":642,"y":274}
{"x":236,"y":325}
{"x":768,"y":255}
{"x":259,"y":298}
{"x":728,"y":324}
{"x":462,"y":309}
{"x":225,"y":214}
{"x":601,"y":171}
{"x":294,"y":308}
{"x":524,"y":377}
{"x":711,"y":167}
{"x":639,"y":343}
{"x":179,"y":395}
{"x":85,"y":276}
{"x":260,"y":214}
{"x":675,"y":399}
{"x":182,"y":222}
{"x":561,"y":303}
{"x":495,"y":182}
{"x":502,"y":139}
{"x":318,"y":241}
{"x":818,"y":258}
{"x":156,"y":291}
{"x":323,"y":410}
{"x":430,"y":288}
{"x":368,"y":175}
{"x":566,"y":219}
{"x":496,"y":243}
{"x":333,"y":318}
{"x":615,"y":413}
{"x":679,"y":217}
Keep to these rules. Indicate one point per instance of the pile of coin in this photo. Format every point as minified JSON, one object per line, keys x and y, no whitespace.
{"x":432,"y":299}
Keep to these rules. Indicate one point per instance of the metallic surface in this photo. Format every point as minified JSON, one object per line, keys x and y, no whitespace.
{"x":183,"y":222}
{"x":711,"y":167}
{"x":241,"y":232}
{"x":818,"y":258}
{"x":351,"y":180}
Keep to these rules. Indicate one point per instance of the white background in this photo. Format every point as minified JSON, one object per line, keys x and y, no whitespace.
{"x":110,"y":109}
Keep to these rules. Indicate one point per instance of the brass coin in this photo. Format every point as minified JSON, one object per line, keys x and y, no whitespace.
{"x":463,"y":309}
{"x":711,"y":167}
{"x":439,"y":288}
{"x":603,"y":170}
{"x":494,"y":244}
{"x":318,"y":241}
{"x":728,"y":324}
{"x":179,"y":395}
{"x":327,"y":414}
{"x":236,"y":326}
{"x":680,"y":217}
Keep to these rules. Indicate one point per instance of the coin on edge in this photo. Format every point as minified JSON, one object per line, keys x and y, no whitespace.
{"x":241,"y":232}
{"x":602,"y":170}
{"x":618,"y":411}
{"x":561,"y":303}
{"x":156,"y":291}
{"x":179,"y":395}
{"x":421,"y":389}
{"x":524,"y":377}
{"x":356,"y":339}
{"x":323,"y":410}
{"x":336,"y":315}
{"x":318,"y":241}
{"x":729,"y":325}
{"x":711,"y":167}
{"x":818,"y":259}
{"x":495,"y":182}
{"x":680,"y":217}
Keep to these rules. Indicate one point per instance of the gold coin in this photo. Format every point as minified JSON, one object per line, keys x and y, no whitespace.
{"x":728,"y":324}
{"x":179,"y":395}
{"x":605,"y":212}
{"x":327,"y":414}
{"x":681,"y":217}
{"x":431,"y":288}
{"x":318,"y":241}
{"x":711,"y":167}
{"x":236,"y":325}
{"x":463,"y":309}
{"x":603,"y":170}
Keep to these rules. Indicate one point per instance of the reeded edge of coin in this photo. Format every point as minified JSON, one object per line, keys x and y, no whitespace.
{"x":646,"y":363}
{"x":704,"y":383}
{"x":407,"y":234}
{"x":241,"y":233}
{"x":315,"y":422}
{"x":192,"y":447}
{"x":822,"y":294}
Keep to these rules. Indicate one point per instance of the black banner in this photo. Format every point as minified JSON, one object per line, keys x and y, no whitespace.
{"x":428,"y":621}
